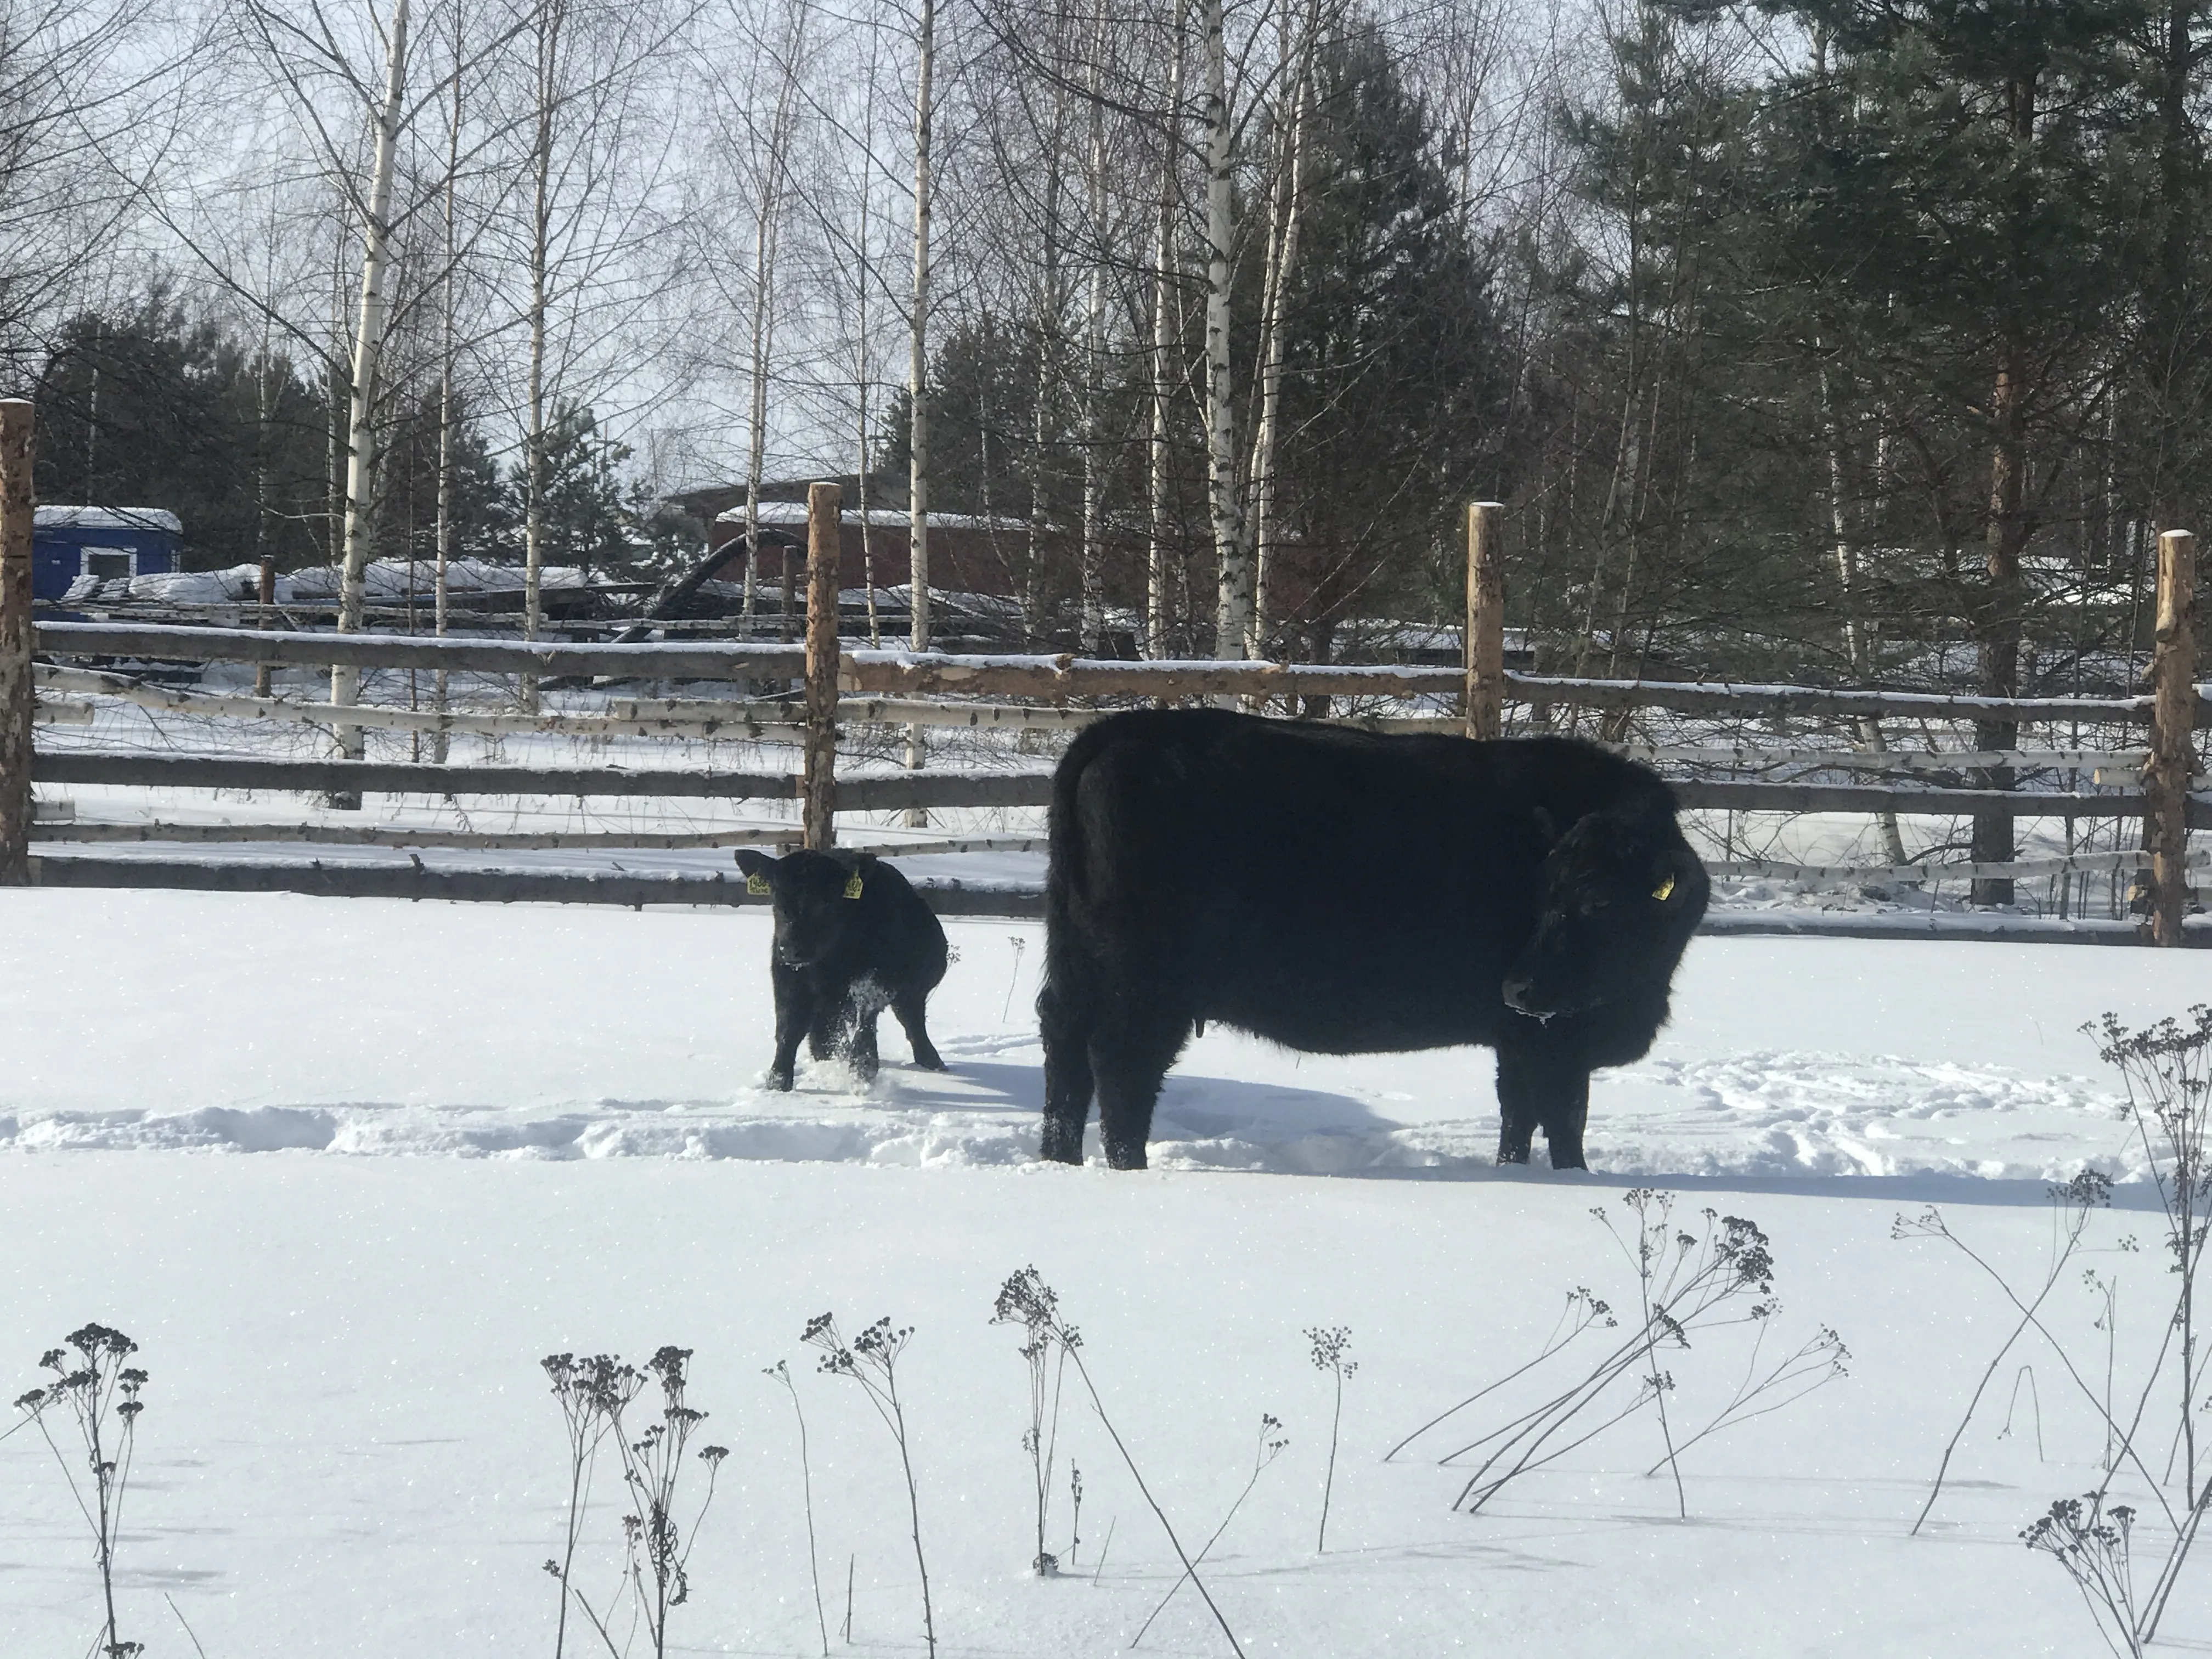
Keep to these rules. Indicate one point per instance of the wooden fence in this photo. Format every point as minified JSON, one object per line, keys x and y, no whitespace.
{"x":843,"y":687}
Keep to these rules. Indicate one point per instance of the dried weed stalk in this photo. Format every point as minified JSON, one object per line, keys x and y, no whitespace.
{"x":871,"y":1361}
{"x":99,"y":1393}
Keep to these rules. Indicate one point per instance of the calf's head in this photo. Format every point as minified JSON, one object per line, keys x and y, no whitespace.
{"x":813,"y":895}
{"x":1619,"y":902}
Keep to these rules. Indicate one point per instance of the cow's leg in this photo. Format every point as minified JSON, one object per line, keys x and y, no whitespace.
{"x":1131,"y":1057}
{"x":794,"y":1018}
{"x":1565,"y":1110}
{"x":911,"y":1009}
{"x":1517,"y":1106}
{"x":1066,"y":1030}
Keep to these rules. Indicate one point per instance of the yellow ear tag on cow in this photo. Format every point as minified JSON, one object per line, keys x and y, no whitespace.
{"x":1665,"y":889}
{"x":853,"y":885}
{"x":757,"y":886}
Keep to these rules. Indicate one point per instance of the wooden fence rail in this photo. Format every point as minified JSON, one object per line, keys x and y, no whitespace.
{"x":843,"y":685}
{"x":894,"y":673}
{"x":872,"y":795}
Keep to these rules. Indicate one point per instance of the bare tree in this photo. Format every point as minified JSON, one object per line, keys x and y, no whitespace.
{"x":367,"y":347}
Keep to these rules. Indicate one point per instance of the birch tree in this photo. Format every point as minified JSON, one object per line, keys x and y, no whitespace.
{"x":367,"y":347}
{"x":917,"y":382}
{"x":1159,"y":487}
{"x":1298,"y":35}
{"x":1224,"y":494}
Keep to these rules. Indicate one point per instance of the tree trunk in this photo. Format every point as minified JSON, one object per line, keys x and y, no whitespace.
{"x":1156,"y":595}
{"x":917,"y":372}
{"x":1855,"y":640}
{"x":918,"y":379}
{"x":766,"y":222}
{"x":1225,"y":502}
{"x":1998,"y":625}
{"x":1091,"y":577}
{"x":264,"y":396}
{"x":865,"y":276}
{"x":368,"y":344}
{"x":1282,"y":259}
{"x":550,"y":16}
{"x":441,"y":684}
{"x":2167,"y":304}
{"x":1050,"y":303}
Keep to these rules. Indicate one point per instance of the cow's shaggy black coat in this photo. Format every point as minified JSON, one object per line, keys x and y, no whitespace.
{"x":852,"y":938}
{"x":1342,"y":892}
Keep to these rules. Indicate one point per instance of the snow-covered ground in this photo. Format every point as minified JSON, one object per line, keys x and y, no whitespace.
{"x":348,"y":1169}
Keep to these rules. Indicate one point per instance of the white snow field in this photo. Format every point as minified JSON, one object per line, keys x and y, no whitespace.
{"x":347,"y":1169}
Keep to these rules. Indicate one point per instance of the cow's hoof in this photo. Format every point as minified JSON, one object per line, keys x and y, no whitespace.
{"x":1512,"y":1155}
{"x":778,"y":1080}
{"x":1125,"y":1157}
{"x":1057,"y":1147}
{"x":930,"y":1062}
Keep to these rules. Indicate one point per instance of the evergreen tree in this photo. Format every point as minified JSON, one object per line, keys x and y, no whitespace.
{"x":152,"y":407}
{"x":1942,"y":201}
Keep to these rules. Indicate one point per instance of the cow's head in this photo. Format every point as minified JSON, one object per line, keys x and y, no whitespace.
{"x":1619,"y":902}
{"x":813,"y":895}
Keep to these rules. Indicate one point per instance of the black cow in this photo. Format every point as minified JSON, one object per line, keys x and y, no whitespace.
{"x":1341,"y":892}
{"x":852,"y":938}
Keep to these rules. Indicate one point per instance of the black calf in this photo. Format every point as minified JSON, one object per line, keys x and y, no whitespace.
{"x":852,"y":938}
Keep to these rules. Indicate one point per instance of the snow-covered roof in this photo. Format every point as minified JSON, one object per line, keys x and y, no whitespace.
{"x":386,"y":580}
{"x":795,"y":513}
{"x":110,"y":517}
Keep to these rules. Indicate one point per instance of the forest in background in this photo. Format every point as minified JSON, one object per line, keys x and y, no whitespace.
{"x":1832,"y":341}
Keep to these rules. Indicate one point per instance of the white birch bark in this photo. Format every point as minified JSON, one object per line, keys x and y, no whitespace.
{"x":550,"y":16}
{"x":1090,"y":576}
{"x":865,"y":275}
{"x":1855,"y":644}
{"x":1225,"y":502}
{"x":917,"y":382}
{"x":766,"y":222}
{"x":917,"y":378}
{"x":441,"y":685}
{"x":1050,"y":302}
{"x":1156,"y":596}
{"x":1282,"y":259}
{"x":369,"y":342}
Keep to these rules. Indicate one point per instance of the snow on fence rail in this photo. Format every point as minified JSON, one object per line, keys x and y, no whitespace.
{"x":846,"y":686}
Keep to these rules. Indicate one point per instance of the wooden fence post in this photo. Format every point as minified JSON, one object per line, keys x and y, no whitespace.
{"x":262,"y":671}
{"x":1485,"y":622}
{"x":17,"y":696}
{"x":2172,"y":751}
{"x":825,"y":541}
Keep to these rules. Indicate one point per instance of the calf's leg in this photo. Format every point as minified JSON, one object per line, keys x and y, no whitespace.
{"x":862,"y":1047}
{"x":794,"y":1018}
{"x":911,"y":1009}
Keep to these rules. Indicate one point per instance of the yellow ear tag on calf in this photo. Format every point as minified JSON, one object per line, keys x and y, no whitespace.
{"x":758,"y":887}
{"x":1665,"y":889}
{"x":852,"y":886}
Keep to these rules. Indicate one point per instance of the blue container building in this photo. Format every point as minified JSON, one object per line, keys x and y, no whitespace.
{"x":70,"y":542}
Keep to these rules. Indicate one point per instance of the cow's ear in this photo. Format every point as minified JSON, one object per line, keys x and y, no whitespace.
{"x":759,"y":870}
{"x":1670,"y":874}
